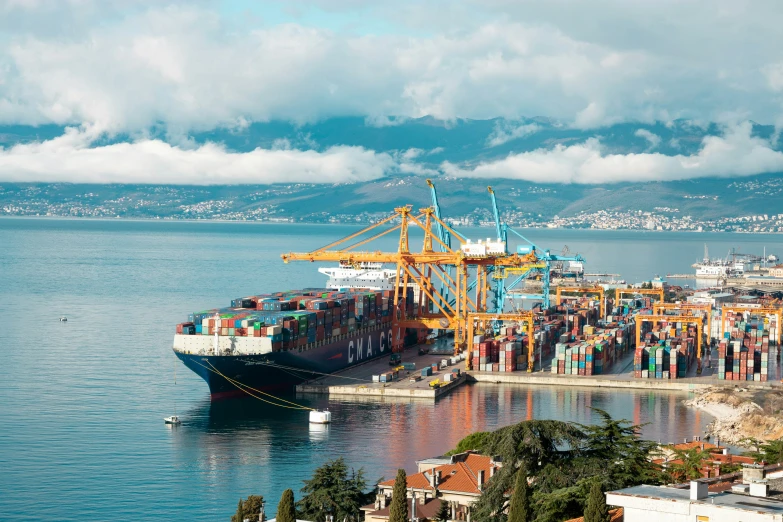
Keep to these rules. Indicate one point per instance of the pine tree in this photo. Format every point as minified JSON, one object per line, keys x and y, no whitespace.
{"x":443,"y":513}
{"x":398,"y":511}
{"x":334,"y":488}
{"x":252,"y":506}
{"x":239,"y":516}
{"x":286,"y":512}
{"x":596,"y":509}
{"x":520,"y":509}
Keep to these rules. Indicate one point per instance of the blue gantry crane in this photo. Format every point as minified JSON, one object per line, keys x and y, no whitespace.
{"x":502,"y":286}
{"x":443,"y":235}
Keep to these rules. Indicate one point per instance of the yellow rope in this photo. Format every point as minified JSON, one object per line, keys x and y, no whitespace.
{"x":242,"y":387}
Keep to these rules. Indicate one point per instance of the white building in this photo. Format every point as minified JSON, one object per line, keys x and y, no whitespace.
{"x":743,"y":503}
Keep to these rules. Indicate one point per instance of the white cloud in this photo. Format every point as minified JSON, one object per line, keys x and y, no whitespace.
{"x":133,"y":65}
{"x":736,"y":153}
{"x":653,"y":139}
{"x":594,"y":115}
{"x":507,"y":131}
{"x":72,"y":157}
{"x":774,"y":75}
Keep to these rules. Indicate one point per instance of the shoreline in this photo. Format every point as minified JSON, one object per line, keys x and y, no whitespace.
{"x":255,"y":222}
{"x":738,"y":414}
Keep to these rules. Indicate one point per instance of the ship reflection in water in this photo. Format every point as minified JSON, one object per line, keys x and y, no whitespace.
{"x":255,"y":447}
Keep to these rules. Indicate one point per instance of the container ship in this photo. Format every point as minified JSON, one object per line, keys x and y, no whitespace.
{"x":271,"y":342}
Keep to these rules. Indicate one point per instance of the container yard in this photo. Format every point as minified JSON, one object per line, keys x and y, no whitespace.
{"x":363,"y":325}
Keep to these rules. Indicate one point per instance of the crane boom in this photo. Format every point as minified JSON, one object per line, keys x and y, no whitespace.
{"x":416,"y":272}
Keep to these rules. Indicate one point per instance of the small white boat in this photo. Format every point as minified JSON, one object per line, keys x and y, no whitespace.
{"x":320,"y":417}
{"x":173,"y":420}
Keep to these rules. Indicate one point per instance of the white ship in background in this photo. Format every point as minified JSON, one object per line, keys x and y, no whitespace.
{"x":733,"y":265}
{"x":360,"y":275}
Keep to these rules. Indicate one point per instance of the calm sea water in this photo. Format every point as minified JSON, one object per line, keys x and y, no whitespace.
{"x":82,"y":402}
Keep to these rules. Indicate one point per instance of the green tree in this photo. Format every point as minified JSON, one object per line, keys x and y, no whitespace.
{"x":596,"y":509}
{"x":690,"y":463}
{"x":286,"y":511}
{"x":563,"y":460}
{"x":444,"y":512}
{"x":772,"y":451}
{"x":471,"y":442}
{"x":537,"y":443}
{"x":398,"y":511}
{"x":333,"y":489}
{"x":239,"y":516}
{"x":622,"y":456}
{"x":252,"y":506}
{"x":520,"y":509}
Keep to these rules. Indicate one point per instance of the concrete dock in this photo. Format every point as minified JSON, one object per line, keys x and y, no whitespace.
{"x":357,"y":380}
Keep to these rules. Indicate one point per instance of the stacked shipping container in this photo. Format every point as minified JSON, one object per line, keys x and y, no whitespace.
{"x":743,"y":353}
{"x":592,"y":353}
{"x":667,"y":351}
{"x":507,"y":353}
{"x":295,"y":318}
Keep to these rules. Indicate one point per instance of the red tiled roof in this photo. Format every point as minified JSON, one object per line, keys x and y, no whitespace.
{"x":461,"y":477}
{"x":719,"y":487}
{"x":685,"y":446}
{"x":615,"y":515}
{"x":732,"y":459}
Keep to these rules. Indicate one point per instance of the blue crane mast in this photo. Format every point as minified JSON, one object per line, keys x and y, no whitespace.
{"x":502,"y":288}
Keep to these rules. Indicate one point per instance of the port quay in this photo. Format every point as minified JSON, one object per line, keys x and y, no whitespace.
{"x":447,"y":313}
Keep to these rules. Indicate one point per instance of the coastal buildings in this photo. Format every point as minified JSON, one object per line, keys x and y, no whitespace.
{"x":713,"y":461}
{"x":755,"y":497}
{"x":457,"y":479}
{"x":665,"y":504}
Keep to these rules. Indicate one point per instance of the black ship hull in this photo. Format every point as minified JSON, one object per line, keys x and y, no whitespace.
{"x":281,"y":371}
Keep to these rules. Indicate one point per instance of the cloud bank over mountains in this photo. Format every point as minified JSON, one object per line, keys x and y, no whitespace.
{"x":736,"y":153}
{"x":114,"y":67}
{"x":75,"y":157}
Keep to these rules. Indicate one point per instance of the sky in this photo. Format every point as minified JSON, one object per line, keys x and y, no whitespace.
{"x":110,"y":67}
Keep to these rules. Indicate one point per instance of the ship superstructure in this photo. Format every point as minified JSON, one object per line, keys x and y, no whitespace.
{"x":360,"y":275}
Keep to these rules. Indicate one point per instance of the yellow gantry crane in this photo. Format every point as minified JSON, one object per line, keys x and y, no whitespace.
{"x":688,"y":319}
{"x":775,"y":311}
{"x":428,"y":272}
{"x":481,"y":322}
{"x":704,"y":309}
{"x":657,"y":292}
{"x":587,"y":290}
